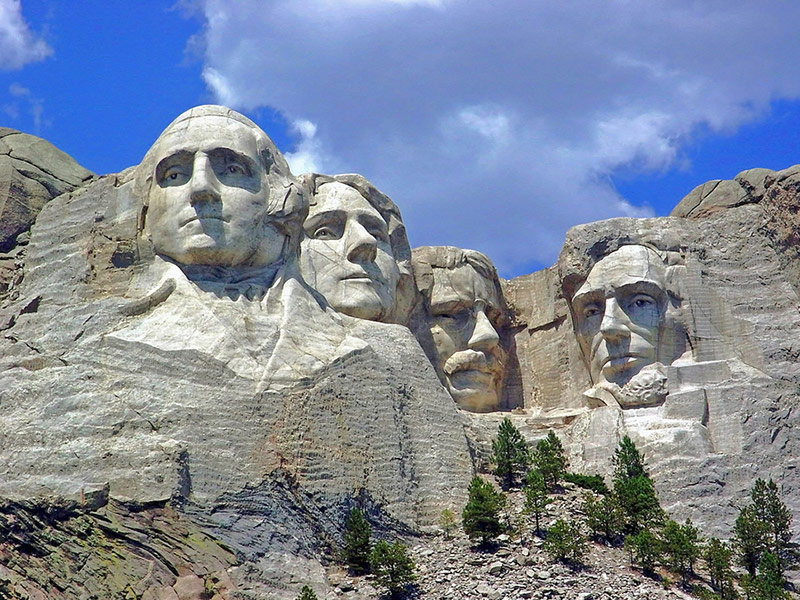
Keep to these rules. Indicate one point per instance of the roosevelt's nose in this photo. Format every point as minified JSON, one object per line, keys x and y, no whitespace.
{"x":615,"y":322}
{"x":361,"y":244}
{"x":204,"y":186}
{"x":484,"y":335}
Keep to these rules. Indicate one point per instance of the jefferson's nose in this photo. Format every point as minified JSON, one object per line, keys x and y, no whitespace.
{"x":361,"y":244}
{"x":204,"y":183}
{"x":615,"y":322}
{"x":484,"y":336}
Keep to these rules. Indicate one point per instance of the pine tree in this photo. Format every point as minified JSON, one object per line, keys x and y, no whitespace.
{"x":392,"y":566}
{"x":536,"y":499}
{"x":717,"y":557}
{"x":679,"y":544}
{"x":481,"y":515}
{"x":307,"y":594}
{"x":510,"y":453}
{"x":763,"y":526}
{"x":633,"y":488}
{"x":771,"y":510}
{"x":750,"y":538}
{"x":448,"y":522}
{"x":550,"y":460}
{"x":628,"y":461}
{"x":565,"y":541}
{"x":769,"y":584}
{"x":604,"y":517}
{"x":356,"y":541}
{"x":644,"y":548}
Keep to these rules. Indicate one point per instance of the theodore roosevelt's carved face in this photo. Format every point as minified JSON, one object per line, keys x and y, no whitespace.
{"x":346,"y":254}
{"x":465,"y":311}
{"x":208,"y":201}
{"x":619,"y":313}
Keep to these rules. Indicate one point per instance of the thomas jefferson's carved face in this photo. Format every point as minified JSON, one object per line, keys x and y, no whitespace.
{"x":465,"y":312}
{"x":346,"y":254}
{"x":208,"y":199}
{"x":619,"y":313}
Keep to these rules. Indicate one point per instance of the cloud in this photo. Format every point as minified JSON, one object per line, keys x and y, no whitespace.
{"x":24,"y":101}
{"x":498,"y":125}
{"x":18,"y":45}
{"x":309,"y":156}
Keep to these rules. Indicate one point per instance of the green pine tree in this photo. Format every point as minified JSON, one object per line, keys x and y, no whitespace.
{"x":750,"y":536}
{"x":393,"y":567}
{"x":307,"y":594}
{"x":717,"y":557}
{"x":509,"y":453}
{"x":681,"y":548}
{"x":628,"y":461}
{"x":604,"y":517}
{"x":481,"y":515}
{"x":633,"y":488}
{"x":565,"y":542}
{"x":536,"y":499}
{"x":769,"y":584}
{"x":770,"y":509}
{"x":550,"y":460}
{"x":644,"y":548}
{"x":356,"y":541}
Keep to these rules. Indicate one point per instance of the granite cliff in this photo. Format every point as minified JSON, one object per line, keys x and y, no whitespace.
{"x":193,"y":400}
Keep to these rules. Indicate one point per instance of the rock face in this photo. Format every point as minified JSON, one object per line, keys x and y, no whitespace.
{"x":234,"y":394}
{"x":719,"y":412}
{"x":32,"y":172}
{"x":178,"y":377}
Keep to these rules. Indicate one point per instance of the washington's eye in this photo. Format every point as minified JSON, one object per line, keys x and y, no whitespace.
{"x":172,"y":176}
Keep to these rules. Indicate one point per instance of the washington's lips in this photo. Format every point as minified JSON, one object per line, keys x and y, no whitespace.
{"x":620,"y":361}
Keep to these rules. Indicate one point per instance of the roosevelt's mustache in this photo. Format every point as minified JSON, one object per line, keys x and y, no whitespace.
{"x":467,"y":360}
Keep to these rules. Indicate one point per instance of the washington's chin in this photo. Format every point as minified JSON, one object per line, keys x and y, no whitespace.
{"x":475,"y":390}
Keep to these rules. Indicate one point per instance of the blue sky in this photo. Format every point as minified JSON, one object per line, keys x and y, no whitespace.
{"x":493,"y":125}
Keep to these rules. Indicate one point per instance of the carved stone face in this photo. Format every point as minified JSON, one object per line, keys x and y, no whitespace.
{"x":619,"y":313}
{"x":465,"y":310}
{"x":208,"y":199}
{"x":346,"y":255}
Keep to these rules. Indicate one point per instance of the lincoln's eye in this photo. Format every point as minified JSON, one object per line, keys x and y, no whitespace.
{"x":235,"y":169}
{"x":173,"y":176}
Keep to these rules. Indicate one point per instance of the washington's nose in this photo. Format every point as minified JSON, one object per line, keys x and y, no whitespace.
{"x":361,"y":244}
{"x":484,"y":336}
{"x":614,"y":324}
{"x":204,"y":184}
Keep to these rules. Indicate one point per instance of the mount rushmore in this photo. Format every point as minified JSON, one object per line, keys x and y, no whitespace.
{"x":259,"y":352}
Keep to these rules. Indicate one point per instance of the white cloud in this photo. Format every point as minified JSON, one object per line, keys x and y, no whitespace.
{"x":24,"y":101}
{"x":18,"y":45}
{"x":498,"y":125}
{"x":308,"y":157}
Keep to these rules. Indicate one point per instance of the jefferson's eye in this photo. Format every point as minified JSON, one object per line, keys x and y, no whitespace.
{"x":324,"y":233}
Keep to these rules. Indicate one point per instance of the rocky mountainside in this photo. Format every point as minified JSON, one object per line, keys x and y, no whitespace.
{"x":175,"y":426}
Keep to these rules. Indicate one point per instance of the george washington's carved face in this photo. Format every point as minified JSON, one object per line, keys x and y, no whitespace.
{"x":208,"y":201}
{"x":619,"y":313}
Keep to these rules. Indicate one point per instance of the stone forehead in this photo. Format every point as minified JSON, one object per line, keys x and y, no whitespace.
{"x":464,"y":284}
{"x":336,"y":195}
{"x":628,"y":263}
